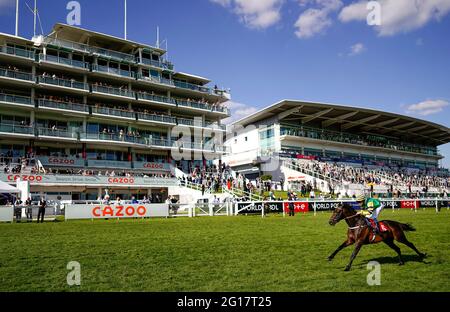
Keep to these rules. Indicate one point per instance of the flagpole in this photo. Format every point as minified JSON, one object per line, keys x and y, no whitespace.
{"x":35,"y":13}
{"x":125,"y":19}
{"x":17,"y":18}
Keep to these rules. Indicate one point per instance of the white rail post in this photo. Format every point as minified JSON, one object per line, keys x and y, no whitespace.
{"x":284,"y":211}
{"x":437,"y":205}
{"x":415,"y":206}
{"x":211,"y":210}
{"x":262,"y":209}
{"x":315,"y":208}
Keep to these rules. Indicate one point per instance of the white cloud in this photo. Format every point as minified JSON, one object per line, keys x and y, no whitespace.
{"x":427,"y":107}
{"x":356,"y":49}
{"x":398,"y":16}
{"x":238,"y":111}
{"x":258,"y":14}
{"x":315,"y":20}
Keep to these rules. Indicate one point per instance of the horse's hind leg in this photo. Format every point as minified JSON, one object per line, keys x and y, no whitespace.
{"x":391,"y":244}
{"x":405,"y":241}
{"x":342,"y":246}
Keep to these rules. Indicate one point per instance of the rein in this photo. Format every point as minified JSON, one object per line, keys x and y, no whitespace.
{"x":351,"y":216}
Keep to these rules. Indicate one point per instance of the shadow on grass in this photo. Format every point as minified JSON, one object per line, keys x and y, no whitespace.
{"x":394,"y":260}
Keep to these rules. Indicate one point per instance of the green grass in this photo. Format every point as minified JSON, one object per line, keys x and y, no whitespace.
{"x":242,"y":253}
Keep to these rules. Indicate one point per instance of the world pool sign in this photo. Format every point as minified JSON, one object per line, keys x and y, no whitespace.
{"x":77,"y":180}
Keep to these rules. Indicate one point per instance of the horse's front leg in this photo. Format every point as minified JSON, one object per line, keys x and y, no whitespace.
{"x":353,"y":256}
{"x":342,"y":246}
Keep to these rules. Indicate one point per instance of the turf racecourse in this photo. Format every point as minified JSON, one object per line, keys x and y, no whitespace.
{"x":242,"y":253}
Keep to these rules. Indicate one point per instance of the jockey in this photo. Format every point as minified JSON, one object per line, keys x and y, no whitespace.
{"x":373,"y":208}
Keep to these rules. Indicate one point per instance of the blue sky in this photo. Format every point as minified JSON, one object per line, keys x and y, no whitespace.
{"x":268,"y":50}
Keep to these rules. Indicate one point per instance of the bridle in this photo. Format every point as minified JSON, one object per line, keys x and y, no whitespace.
{"x":347,"y":218}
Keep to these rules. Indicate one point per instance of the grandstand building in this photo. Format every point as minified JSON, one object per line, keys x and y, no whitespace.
{"x":325,"y":133}
{"x":84,"y":113}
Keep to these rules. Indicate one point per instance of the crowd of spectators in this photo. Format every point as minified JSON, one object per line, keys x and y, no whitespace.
{"x":385,"y":176}
{"x":366,"y":140}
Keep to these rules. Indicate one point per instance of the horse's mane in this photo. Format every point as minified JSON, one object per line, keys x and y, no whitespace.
{"x":348,"y":207}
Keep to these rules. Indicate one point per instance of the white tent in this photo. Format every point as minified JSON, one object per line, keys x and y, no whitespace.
{"x":6,"y":188}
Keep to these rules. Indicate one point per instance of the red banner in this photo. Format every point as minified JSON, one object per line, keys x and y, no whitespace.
{"x":298,"y":207}
{"x":411,"y":204}
{"x":306,"y":157}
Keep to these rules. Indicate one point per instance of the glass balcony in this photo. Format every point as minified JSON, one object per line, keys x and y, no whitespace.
{"x":159,"y":118}
{"x":115,"y":138}
{"x":113,"y":91}
{"x":216,"y":126}
{"x":119,"y":56}
{"x":18,"y":129}
{"x":67,"y":44}
{"x":63,"y":133}
{"x":159,"y":64}
{"x":14,"y":74}
{"x":113,"y":112}
{"x":155,"y":98}
{"x":187,"y":122}
{"x":88,"y":49}
{"x":156,"y":79}
{"x":15,"y":99}
{"x":204,"y":106}
{"x":349,"y":138}
{"x":63,"y":83}
{"x":63,"y":105}
{"x":63,"y":61}
{"x":190,"y":86}
{"x":18,"y":52}
{"x":113,"y":71}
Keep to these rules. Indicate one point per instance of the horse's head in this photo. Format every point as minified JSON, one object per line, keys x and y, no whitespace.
{"x":338,"y":215}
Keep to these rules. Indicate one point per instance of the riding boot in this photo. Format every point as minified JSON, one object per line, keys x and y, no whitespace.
{"x":376,"y":229}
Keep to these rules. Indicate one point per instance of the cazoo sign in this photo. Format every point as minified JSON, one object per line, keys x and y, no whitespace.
{"x":73,"y":212}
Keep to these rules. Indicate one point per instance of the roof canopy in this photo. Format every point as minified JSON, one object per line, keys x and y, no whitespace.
{"x":352,"y":119}
{"x":6,"y":188}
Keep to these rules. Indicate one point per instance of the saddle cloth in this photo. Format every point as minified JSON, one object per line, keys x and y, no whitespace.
{"x":381,"y":226}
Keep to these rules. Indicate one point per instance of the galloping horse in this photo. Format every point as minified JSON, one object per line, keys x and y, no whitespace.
{"x":359,"y":233}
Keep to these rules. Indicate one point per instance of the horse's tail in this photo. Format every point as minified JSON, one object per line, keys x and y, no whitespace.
{"x":407,"y":227}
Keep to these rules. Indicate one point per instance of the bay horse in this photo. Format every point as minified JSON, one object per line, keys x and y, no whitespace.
{"x":360,"y":233}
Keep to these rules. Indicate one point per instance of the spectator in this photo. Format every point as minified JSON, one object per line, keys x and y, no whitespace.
{"x":42,"y":206}
{"x":29,"y":210}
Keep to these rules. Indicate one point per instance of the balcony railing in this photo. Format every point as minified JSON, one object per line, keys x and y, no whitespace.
{"x":113,"y":71}
{"x":88,"y":49}
{"x":160,"y":64}
{"x":348,"y":138}
{"x":190,"y":86}
{"x":159,"y":118}
{"x":63,"y":83}
{"x":63,"y":61}
{"x":63,"y":105}
{"x":114,"y":137}
{"x":155,"y":98}
{"x":18,"y":52}
{"x":15,"y":74}
{"x":172,"y":101}
{"x":113,"y":91}
{"x":15,"y":99}
{"x":113,"y":54}
{"x":58,"y":133}
{"x":199,"y":105}
{"x":113,"y":112}
{"x":16,"y":129}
